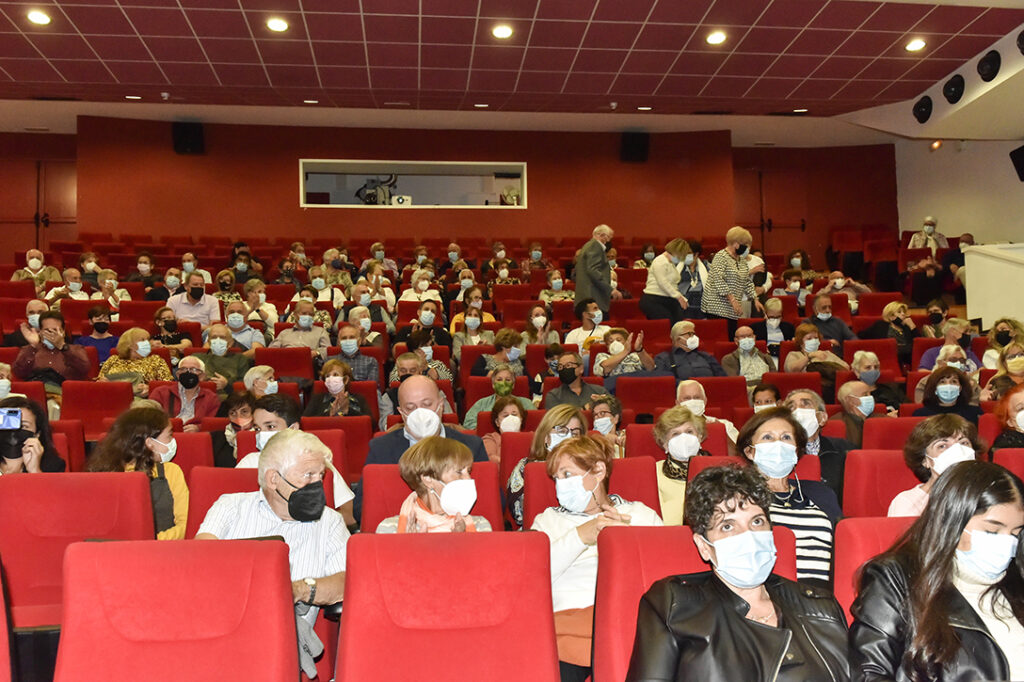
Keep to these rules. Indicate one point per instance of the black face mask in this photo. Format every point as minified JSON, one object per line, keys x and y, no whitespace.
{"x":964,"y":341}
{"x":759,"y":279}
{"x":935,"y":318}
{"x":224,"y":286}
{"x":196,"y":293}
{"x":741,"y":250}
{"x":306,"y":503}
{"x":100,"y":327}
{"x":567,"y":375}
{"x":1003,"y":338}
{"x":171,"y":326}
{"x":188,"y":380}
{"x":336,"y":264}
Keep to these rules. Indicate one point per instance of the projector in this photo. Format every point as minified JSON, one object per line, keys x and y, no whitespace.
{"x":401,"y":200}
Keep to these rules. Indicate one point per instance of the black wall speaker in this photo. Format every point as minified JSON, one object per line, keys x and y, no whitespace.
{"x":188,"y":137}
{"x":953,"y":90}
{"x":1017,"y":158}
{"x":635,"y":147}
{"x":988,"y":66}
{"x":923,"y":109}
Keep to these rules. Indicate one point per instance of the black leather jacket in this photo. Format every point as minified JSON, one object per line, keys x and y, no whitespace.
{"x":693,"y":627}
{"x":877,"y":636}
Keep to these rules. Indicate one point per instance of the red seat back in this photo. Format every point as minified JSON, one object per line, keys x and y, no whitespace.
{"x":857,"y":541}
{"x":725,"y":391}
{"x":840,"y":306}
{"x":634,"y":478}
{"x":139,"y":312}
{"x":882,"y":434}
{"x":645,"y":394}
{"x":874,"y":303}
{"x":91,"y":401}
{"x":287,"y":362}
{"x":791,"y":381}
{"x":384,"y":491}
{"x":75,"y":433}
{"x":33,"y":390}
{"x":385,"y":611}
{"x":250,"y":586}
{"x":872,"y":479}
{"x":629,"y":561}
{"x":885,"y":349}
{"x":1012,"y":459}
{"x":194,"y":449}
{"x":207,"y":484}
{"x":921,"y":344}
{"x":46,"y":513}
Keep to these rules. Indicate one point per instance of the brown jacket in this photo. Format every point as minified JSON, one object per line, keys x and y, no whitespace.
{"x":731,"y":363}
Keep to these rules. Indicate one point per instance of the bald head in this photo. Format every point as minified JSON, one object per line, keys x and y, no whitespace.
{"x":418,"y":391}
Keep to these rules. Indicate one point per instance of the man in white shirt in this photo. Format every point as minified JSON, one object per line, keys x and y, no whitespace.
{"x":590,"y":330}
{"x":72,"y":288}
{"x":190,"y":264}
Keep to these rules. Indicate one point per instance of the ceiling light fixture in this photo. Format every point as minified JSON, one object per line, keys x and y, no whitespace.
{"x":716,"y":38}
{"x":311,"y":101}
{"x":277,"y":25}
{"x":799,"y":111}
{"x":935,"y":145}
{"x":502,"y":31}
{"x":481,"y":106}
{"x":132,"y":97}
{"x":644,"y":108}
{"x":916,"y":45}
{"x":37,"y":17}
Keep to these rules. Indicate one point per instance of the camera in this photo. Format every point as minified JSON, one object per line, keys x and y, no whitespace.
{"x":12,"y":436}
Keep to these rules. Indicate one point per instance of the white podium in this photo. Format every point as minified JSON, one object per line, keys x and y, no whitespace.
{"x":995,"y":282}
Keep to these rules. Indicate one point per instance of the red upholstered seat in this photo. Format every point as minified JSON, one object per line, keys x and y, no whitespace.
{"x":629,"y":561}
{"x":287,"y":362}
{"x":139,"y":312}
{"x":45,"y":513}
{"x":840,"y":306}
{"x":791,"y":381}
{"x":110,"y":630}
{"x":33,"y":390}
{"x":1012,"y":459}
{"x":640,"y":441}
{"x":872,"y":479}
{"x":384,"y":491}
{"x":205,"y":486}
{"x":888,"y":434}
{"x":725,"y":391}
{"x":634,"y":478}
{"x":921,"y":344}
{"x":91,"y":401}
{"x":395,"y":627}
{"x":874,"y":303}
{"x":857,"y":541}
{"x":75,"y":433}
{"x":646,"y":394}
{"x":194,"y":449}
{"x":357,"y":434}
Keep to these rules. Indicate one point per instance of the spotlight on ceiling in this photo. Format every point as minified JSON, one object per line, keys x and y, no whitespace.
{"x":502,"y":31}
{"x":915,"y":45}
{"x":40,"y":18}
{"x":716,"y":38}
{"x":1020,"y":42}
{"x":988,"y":66}
{"x":277,"y":25}
{"x":923,"y":109}
{"x":953,"y":90}
{"x":935,"y":145}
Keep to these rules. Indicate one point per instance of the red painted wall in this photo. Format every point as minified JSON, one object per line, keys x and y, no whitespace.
{"x":130,"y":180}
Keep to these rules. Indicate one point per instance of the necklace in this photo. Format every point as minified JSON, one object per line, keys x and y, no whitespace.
{"x":764,"y":619}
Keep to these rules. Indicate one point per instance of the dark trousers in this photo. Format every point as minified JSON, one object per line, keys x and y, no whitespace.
{"x":731,"y":322}
{"x":661,"y":308}
{"x":568,"y":672}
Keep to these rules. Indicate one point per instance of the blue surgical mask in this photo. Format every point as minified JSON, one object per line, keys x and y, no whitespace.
{"x":649,"y":256}
{"x":306,"y":321}
{"x":824,"y":317}
{"x":472,"y":323}
{"x":555,"y":439}
{"x":188,"y":267}
{"x":571,"y":492}
{"x":236,"y":320}
{"x":77,"y":286}
{"x":427,"y":318}
{"x":513,"y":353}
{"x":744,"y":560}
{"x":811,"y":345}
{"x":379,"y":255}
{"x":33,"y":320}
{"x":219,"y":346}
{"x":795,"y":262}
{"x":775,"y":459}
{"x":365,"y":323}
{"x":955,"y":364}
{"x":349,"y":346}
{"x":420,"y":258}
{"x":535,"y":255}
{"x":242,"y":266}
{"x":48,"y":344}
{"x":747,"y":344}
{"x":453,"y":256}
{"x":688,"y":259}
{"x":598,"y":317}
{"x":143,"y":348}
{"x":170,"y":281}
{"x":989,"y":556}
{"x":364,"y":300}
{"x":319,"y":283}
{"x":465,"y":283}
{"x":870,"y":376}
{"x":948,"y":393}
{"x":271,"y":388}
{"x":556,"y":284}
{"x":866,"y":405}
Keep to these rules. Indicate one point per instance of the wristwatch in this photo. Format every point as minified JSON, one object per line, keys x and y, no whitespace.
{"x":311,"y":582}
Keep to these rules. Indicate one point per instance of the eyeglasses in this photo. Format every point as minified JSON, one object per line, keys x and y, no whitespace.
{"x":566,"y":431}
{"x":188,"y":370}
{"x":571,"y":365}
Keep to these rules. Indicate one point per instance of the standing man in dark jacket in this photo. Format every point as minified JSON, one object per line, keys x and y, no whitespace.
{"x":593,"y":275}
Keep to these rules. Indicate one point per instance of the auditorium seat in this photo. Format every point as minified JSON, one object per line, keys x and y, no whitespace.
{"x":111,"y":630}
{"x":629,"y":561}
{"x":891,"y":433}
{"x":535,"y":363}
{"x":872,"y":479}
{"x":357,"y":431}
{"x":885,"y":349}
{"x":791,"y":381}
{"x":788,"y":346}
{"x":645,"y":394}
{"x":921,"y":344}
{"x":856,"y":542}
{"x":725,"y":391}
{"x":33,"y":390}
{"x":205,"y":486}
{"x":140,"y":312}
{"x":448,"y":606}
{"x":1012,"y":459}
{"x":91,"y":401}
{"x":194,"y":449}
{"x":808,"y":468}
{"x":384,"y":491}
{"x":484,"y":426}
{"x":640,"y":441}
{"x":23,"y":289}
{"x":634,"y":478}
{"x":287,"y":362}
{"x":48,"y":512}
{"x":874,"y":303}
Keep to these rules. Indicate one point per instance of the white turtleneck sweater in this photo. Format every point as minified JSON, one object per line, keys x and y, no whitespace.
{"x":995,"y":613}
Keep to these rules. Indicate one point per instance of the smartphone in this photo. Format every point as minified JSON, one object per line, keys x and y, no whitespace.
{"x":10,"y":418}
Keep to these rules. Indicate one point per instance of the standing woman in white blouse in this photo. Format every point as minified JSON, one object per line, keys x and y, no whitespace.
{"x":662,"y":299}
{"x":946,"y":602}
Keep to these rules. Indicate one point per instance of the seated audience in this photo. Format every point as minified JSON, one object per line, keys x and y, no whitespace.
{"x":287,"y":274}
{"x":955,"y":332}
{"x":5,"y":382}
{"x":304,"y":334}
{"x":260,"y":381}
{"x":838,"y":283}
{"x":691,"y":395}
{"x":747,"y":361}
{"x":226,"y":287}
{"x":324,"y":292}
{"x":168,"y":335}
{"x":662,"y":299}
{"x":828,"y":326}
{"x":1005,"y":330}
{"x":558,"y":424}
{"x":36,"y":271}
{"x":808,"y":357}
{"x":363,"y":367}
{"x":187,"y":400}
{"x":443,"y":492}
{"x":379,"y":285}
{"x":498,"y":251}
{"x":536,"y":259}
{"x":320,"y":317}
{"x":626,"y":354}
{"x":471,"y":334}
{"x":33,"y":310}
{"x":606,"y":412}
{"x":466,"y":280}
{"x":49,"y":357}
{"x":684,"y":360}
{"x":895,"y":324}
{"x":135,"y":362}
{"x":88,"y":265}
{"x":455,"y":264}
{"x":144,"y":271}
{"x":190,"y":264}
{"x":141,"y":440}
{"x":502,"y":275}
{"x":773,"y":330}
{"x":647,"y":255}
{"x":419,"y":345}
{"x":556,"y":290}
{"x":935,"y":444}
{"x":680,"y":433}
{"x":163,"y":290}
{"x":538,"y":327}
{"x":858,"y":405}
{"x":950,"y":356}
{"x":473,"y":299}
{"x":1010,"y":366}
{"x":108,"y":291}
{"x":72,"y":288}
{"x":867,"y":368}
{"x":765,"y":396}
{"x":238,"y":408}
{"x":507,"y":351}
{"x":503,"y":380}
{"x":773,"y":441}
{"x":808,"y":409}
{"x":793,"y":281}
{"x":243,"y":335}
{"x":257,"y":307}
{"x":195,"y":305}
{"x":335,"y":271}
{"x":688,"y":626}
{"x":370,"y":313}
{"x":426,"y":316}
{"x":1010,"y":414}
{"x":100,"y":338}
{"x":507,"y":416}
{"x":590,"y":330}
{"x":947,"y":390}
{"x":943,"y":603}
{"x":937,"y":311}
{"x":573,"y":390}
{"x":338,"y":401}
{"x":419,"y":289}
{"x":581,"y":468}
{"x":799,"y":260}
{"x":29,"y":449}
{"x":222,"y":367}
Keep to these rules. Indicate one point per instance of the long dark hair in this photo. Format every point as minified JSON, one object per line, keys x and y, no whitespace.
{"x":44,"y":432}
{"x":928,"y":549}
{"x":125,"y":443}
{"x":931,"y":398}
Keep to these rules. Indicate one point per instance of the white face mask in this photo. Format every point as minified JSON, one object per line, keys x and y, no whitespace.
{"x":262,"y":437}
{"x":510,"y":424}
{"x":683,"y":446}
{"x":746,"y":344}
{"x":5,"y":388}
{"x":458,"y":496}
{"x":500,"y":254}
{"x":572,"y":494}
{"x":422,"y":423}
{"x":1019,"y":419}
{"x":503,"y":273}
{"x":616,"y":347}
{"x":773,"y":322}
{"x":34,"y":263}
{"x":745,"y":560}
{"x":539,"y":321}
{"x":604,"y":425}
{"x":693,"y":342}
{"x":808,"y":419}
{"x":954,"y":454}
{"x":696,"y":406}
{"x":170,"y":449}
{"x":423,"y":284}
{"x":838,"y":283}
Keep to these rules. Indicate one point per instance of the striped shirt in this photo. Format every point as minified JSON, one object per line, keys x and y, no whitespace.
{"x":812,"y":528}
{"x":316,"y":549}
{"x":727,"y":276}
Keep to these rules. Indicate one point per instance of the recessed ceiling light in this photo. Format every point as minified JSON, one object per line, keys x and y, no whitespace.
{"x":481,"y":106}
{"x":311,"y":101}
{"x":396,"y":104}
{"x":936,"y":144}
{"x":37,"y":17}
{"x":916,"y":45}
{"x":132,"y":97}
{"x":643,"y":108}
{"x":716,"y":38}
{"x":277,"y":25}
{"x":799,"y":111}
{"x":502,"y":31}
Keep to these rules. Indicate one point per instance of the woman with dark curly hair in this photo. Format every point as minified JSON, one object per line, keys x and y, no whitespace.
{"x":946,"y":602}
{"x":31,"y":448}
{"x":933,"y":446}
{"x":737,"y":621}
{"x":949,"y":391}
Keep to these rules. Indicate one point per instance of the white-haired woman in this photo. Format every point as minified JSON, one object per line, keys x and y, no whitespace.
{"x":359,"y":317}
{"x":419,"y":289}
{"x":728,"y":283}
{"x":867,"y":368}
{"x":259,"y":381}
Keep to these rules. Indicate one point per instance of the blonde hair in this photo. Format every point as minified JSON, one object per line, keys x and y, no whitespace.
{"x":432,"y":457}
{"x":252,"y":284}
{"x":1017,"y":330}
{"x":1016,"y":342}
{"x":128,"y":340}
{"x":773,"y":305}
{"x":675,"y":417}
{"x":893,"y":309}
{"x":678,"y":248}
{"x":738,"y":234}
{"x":559,"y":415}
{"x":226,"y":273}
